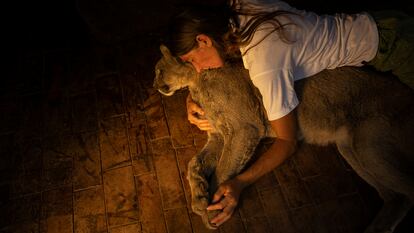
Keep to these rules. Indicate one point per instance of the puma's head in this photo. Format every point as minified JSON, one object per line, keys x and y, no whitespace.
{"x":171,"y":74}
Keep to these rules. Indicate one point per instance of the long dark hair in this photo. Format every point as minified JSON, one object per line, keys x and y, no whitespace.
{"x":221,"y":24}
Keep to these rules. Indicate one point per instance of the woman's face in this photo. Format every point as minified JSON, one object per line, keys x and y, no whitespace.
{"x":205,"y":56}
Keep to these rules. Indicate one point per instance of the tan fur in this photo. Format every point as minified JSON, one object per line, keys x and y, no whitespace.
{"x":368,"y":116}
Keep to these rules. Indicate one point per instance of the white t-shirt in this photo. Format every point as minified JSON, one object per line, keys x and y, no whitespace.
{"x":319,"y":42}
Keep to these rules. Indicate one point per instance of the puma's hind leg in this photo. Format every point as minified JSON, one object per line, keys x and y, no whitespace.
{"x":200,"y":168}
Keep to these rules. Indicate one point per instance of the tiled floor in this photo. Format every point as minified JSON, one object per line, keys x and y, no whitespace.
{"x":88,"y":146}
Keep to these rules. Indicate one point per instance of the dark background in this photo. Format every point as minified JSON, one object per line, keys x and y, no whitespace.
{"x":49,"y":24}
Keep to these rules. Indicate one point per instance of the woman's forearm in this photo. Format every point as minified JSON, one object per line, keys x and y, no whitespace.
{"x":278,"y":152}
{"x":284,"y":146}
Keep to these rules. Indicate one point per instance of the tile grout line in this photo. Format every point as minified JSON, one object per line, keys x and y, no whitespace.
{"x":160,"y":193}
{"x":100,"y":162}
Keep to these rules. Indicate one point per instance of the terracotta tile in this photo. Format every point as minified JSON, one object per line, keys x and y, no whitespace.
{"x":287,"y":173}
{"x":329,"y":160}
{"x":114,"y":145}
{"x":165,"y":161}
{"x":81,"y":78}
{"x":27,"y":175}
{"x":11,"y":159}
{"x":184,"y":155}
{"x":32,"y":122}
{"x":326,"y":187}
{"x":86,"y":160}
{"x":57,"y":162}
{"x":306,"y":160}
{"x":273,"y":201}
{"x":333,"y":217}
{"x":56,"y":152}
{"x":250,"y":205}
{"x":57,"y":201}
{"x":136,"y":118}
{"x":340,"y":177}
{"x":343,"y":183}
{"x":57,"y":211}
{"x":154,"y":110}
{"x":109,"y":96}
{"x":89,"y":210}
{"x":178,"y":220}
{"x":27,"y":182}
{"x":150,"y":205}
{"x":57,"y":118}
{"x":10,"y":117}
{"x":21,"y":213}
{"x":85,"y":113}
{"x":355,"y":211}
{"x":306,"y":219}
{"x":56,"y":177}
{"x":267,"y":181}
{"x":368,"y":194}
{"x":176,"y":113}
{"x":135,"y":228}
{"x":132,"y":92}
{"x":320,"y":188}
{"x":257,"y":224}
{"x":120,"y":196}
{"x":141,"y":153}
{"x":296,"y":195}
{"x":198,"y":225}
{"x":31,"y":150}
{"x":252,"y":212}
{"x":32,"y":227}
{"x":234,"y":224}
{"x":281,"y":222}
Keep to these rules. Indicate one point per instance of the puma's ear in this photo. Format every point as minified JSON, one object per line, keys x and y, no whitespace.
{"x":165,"y":51}
{"x":157,"y":72}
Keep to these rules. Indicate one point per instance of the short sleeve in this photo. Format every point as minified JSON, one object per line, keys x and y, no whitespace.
{"x":277,"y":89}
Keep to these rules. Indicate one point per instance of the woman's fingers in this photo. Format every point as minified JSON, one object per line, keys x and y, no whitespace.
{"x":225,"y":199}
{"x":202,"y":124}
{"x":219,"y":194}
{"x":217,"y":206}
{"x":224,"y":215}
{"x":194,"y":112}
{"x":195,"y":109}
{"x":205,"y":126}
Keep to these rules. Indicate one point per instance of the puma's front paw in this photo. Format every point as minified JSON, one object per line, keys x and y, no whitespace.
{"x":207,"y":217}
{"x":199,"y":188}
{"x":199,"y":205}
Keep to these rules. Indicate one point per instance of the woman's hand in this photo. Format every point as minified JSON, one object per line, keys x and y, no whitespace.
{"x":195,"y":114}
{"x":226,"y":199}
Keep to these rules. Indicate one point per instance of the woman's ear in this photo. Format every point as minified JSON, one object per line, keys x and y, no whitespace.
{"x":204,"y":40}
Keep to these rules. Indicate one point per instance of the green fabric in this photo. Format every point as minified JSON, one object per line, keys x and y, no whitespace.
{"x":396,"y":45}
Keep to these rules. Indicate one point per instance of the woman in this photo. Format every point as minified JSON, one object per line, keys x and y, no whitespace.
{"x":279,"y":45}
